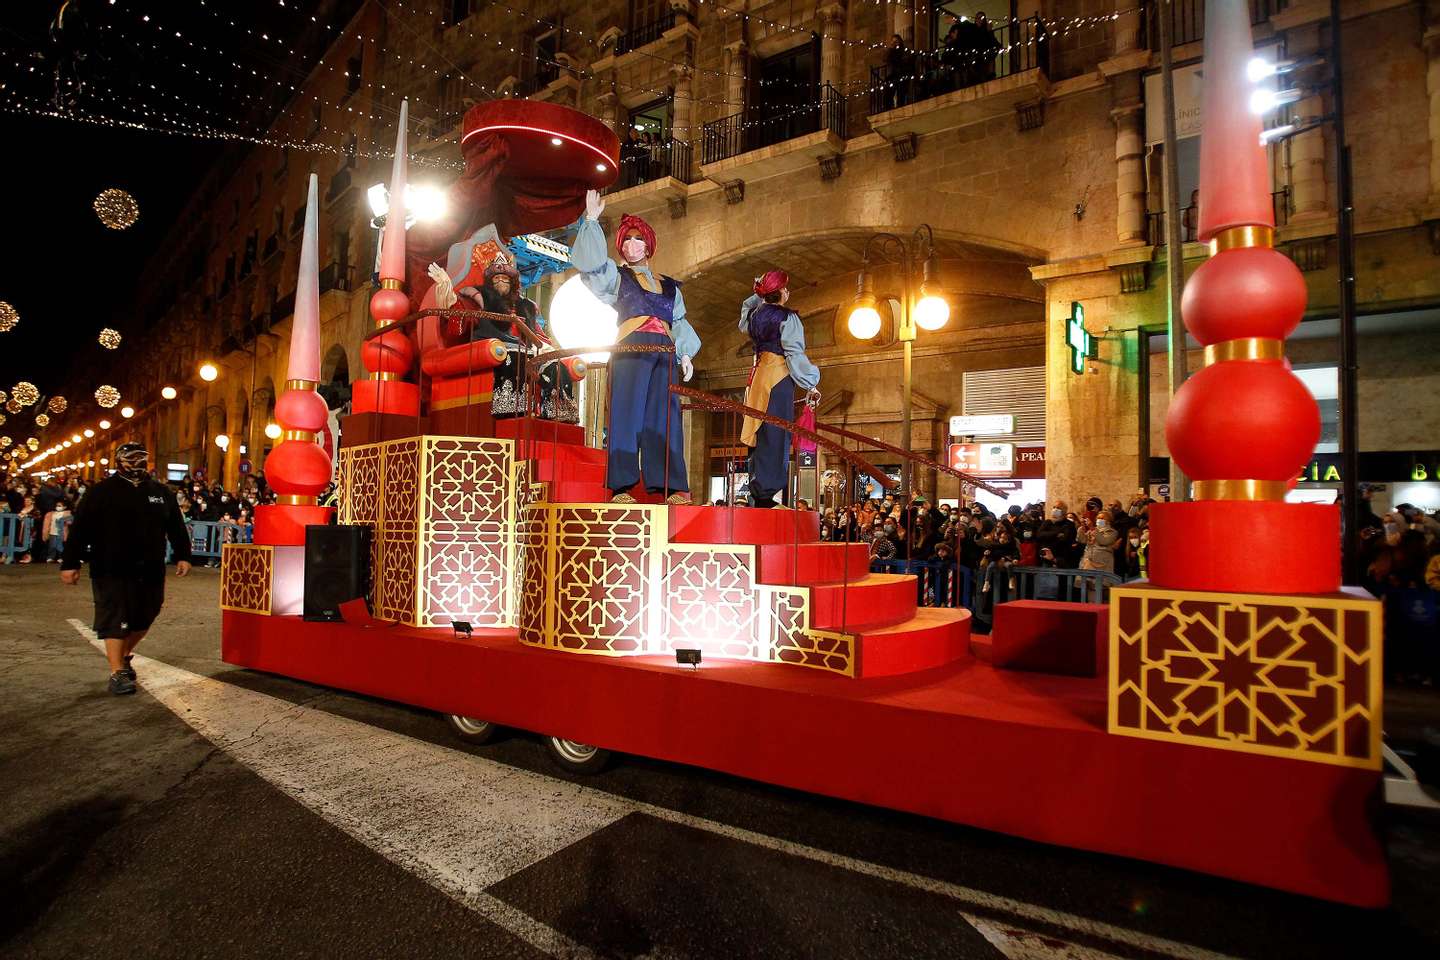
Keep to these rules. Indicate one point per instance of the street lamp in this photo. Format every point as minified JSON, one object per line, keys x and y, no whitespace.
{"x":208,"y":372}
{"x":273,"y":431}
{"x":169,"y":392}
{"x":222,"y":441}
{"x":104,"y":424}
{"x":127,"y":412}
{"x":929,"y":310}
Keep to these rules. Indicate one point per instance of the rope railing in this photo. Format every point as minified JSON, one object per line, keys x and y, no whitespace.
{"x":924,"y":461}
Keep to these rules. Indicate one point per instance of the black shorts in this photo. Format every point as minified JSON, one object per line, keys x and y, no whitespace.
{"x":124,"y":605}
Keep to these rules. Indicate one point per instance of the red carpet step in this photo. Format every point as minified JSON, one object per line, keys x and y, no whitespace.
{"x":699,"y":524}
{"x":876,"y":599}
{"x":934,"y":637}
{"x":807,"y":564}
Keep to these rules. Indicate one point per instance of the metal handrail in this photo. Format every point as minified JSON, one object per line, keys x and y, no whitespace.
{"x":1022,"y":46}
{"x":645,"y":33}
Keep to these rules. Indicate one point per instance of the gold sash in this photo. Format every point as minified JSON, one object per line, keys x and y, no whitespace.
{"x":769,"y":369}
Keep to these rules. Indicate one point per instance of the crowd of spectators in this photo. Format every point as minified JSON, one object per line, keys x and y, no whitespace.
{"x":1400,"y":554}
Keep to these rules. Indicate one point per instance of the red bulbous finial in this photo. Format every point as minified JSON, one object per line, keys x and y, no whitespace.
{"x":1242,"y":419}
{"x":298,"y":468}
{"x":1244,"y":292}
{"x":388,"y":305}
{"x":301,"y":410}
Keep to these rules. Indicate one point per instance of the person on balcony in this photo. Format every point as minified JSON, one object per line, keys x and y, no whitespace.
{"x":899,"y":66}
{"x":646,"y":430}
{"x":779,"y":367}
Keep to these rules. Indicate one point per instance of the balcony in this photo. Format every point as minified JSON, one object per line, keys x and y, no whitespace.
{"x":641,"y":163}
{"x":755,"y":145}
{"x":955,"y":87}
{"x":340,"y":185}
{"x":1187,"y":19}
{"x":1190,"y":219}
{"x":645,"y":33}
{"x":337,"y":276}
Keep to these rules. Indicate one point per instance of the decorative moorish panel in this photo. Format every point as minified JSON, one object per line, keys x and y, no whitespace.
{"x":1293,"y":676}
{"x":466,"y":517}
{"x":710,"y":601}
{"x":398,"y":532}
{"x":792,"y":639}
{"x":246,"y":573}
{"x":604,"y":599}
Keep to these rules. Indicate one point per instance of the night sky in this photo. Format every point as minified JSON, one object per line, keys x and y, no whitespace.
{"x":65,"y":272}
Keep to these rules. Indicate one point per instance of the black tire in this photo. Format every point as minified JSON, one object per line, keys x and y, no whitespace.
{"x":573,"y":757}
{"x":471,"y":730}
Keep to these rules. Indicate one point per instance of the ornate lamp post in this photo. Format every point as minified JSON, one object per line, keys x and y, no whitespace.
{"x":922,"y":304}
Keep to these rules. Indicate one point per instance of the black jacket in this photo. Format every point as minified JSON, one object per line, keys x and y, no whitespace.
{"x":121,"y":529}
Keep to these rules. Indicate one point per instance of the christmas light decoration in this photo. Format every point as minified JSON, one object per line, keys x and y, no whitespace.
{"x":33,"y":444}
{"x":14,"y":406}
{"x":109,"y":338}
{"x":57,"y":405}
{"x":107,"y":396}
{"x":5,"y":442}
{"x":4,"y":396}
{"x":9,"y":316}
{"x":2,"y":419}
{"x":25,"y":393}
{"x":43,"y":420}
{"x":116,"y":209}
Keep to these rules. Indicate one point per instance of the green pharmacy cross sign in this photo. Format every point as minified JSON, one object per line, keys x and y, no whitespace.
{"x":1077,"y":338}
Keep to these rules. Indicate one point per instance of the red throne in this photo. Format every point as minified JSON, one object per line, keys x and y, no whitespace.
{"x":1041,"y":636}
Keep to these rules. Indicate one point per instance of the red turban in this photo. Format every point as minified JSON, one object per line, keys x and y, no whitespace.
{"x":772,"y":282}
{"x":629,"y":224}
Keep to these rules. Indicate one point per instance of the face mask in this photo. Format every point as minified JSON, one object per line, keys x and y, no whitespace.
{"x":1056,"y":515}
{"x":889,"y":528}
{"x":633,"y":249}
{"x":1102,"y":524}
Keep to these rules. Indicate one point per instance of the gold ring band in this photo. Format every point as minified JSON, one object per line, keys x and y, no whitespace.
{"x":304,"y":436}
{"x":1245,"y":348}
{"x":1240,"y":489}
{"x":1250,"y":235}
{"x":384,"y":375}
{"x":301,"y":384}
{"x":390,"y":283}
{"x":295,"y":500}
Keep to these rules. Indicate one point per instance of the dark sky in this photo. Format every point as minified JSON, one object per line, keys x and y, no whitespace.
{"x":66,"y":273}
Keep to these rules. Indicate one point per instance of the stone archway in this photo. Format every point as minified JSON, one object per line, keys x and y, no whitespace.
{"x":335,"y":378}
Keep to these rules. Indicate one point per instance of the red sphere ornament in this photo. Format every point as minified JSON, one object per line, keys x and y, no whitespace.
{"x":297,"y":468}
{"x":1244,"y":292}
{"x":391,"y":352}
{"x":388,"y":305}
{"x":301,"y":410}
{"x":1242,"y":420}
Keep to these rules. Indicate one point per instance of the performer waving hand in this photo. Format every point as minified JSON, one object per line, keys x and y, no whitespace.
{"x":646,"y":429}
{"x":780,"y":366}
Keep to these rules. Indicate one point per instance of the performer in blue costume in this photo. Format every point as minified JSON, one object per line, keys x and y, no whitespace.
{"x":780,"y":366}
{"x":650,"y":311}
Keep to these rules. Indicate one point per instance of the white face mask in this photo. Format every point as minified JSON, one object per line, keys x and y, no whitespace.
{"x":1057,"y":514}
{"x":633,"y":250}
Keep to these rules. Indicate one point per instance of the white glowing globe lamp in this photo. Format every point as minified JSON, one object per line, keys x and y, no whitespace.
{"x":272,"y":430}
{"x":864,"y":323}
{"x":931,"y":313}
{"x":222,"y":441}
{"x":168,"y":393}
{"x":208,"y":372}
{"x":579,"y":319}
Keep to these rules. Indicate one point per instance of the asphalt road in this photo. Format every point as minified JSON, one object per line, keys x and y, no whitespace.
{"x":224,"y":813}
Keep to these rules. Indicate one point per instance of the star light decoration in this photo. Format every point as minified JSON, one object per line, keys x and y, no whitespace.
{"x":107,"y":396}
{"x":43,"y":420}
{"x":9,"y":316}
{"x":116,"y":209}
{"x":57,"y":404}
{"x":25,"y":393}
{"x":109,"y":338}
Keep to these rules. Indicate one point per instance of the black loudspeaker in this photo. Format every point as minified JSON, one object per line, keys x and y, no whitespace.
{"x":337,"y":568}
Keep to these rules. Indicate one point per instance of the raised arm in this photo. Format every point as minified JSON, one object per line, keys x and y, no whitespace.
{"x":751,"y":302}
{"x":590,"y":255}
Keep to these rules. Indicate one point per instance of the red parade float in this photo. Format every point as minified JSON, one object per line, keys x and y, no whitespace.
{"x":1226,"y":720}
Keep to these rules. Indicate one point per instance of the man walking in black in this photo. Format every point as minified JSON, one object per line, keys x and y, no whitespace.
{"x":121,"y":527}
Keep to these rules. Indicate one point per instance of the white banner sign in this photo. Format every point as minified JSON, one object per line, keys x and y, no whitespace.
{"x":988,"y":425}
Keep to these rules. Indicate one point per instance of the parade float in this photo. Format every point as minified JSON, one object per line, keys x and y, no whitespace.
{"x":1223,"y":717}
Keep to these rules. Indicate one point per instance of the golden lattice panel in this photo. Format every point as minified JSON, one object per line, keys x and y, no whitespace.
{"x":441,"y":510}
{"x":1292,"y":676}
{"x":247,"y":571}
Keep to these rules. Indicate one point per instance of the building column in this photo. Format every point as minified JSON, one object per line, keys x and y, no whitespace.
{"x":1432,"y":87}
{"x":737,"y":63}
{"x":1309,"y":195}
{"x":1129,"y":174}
{"x":608,"y":105}
{"x":211,"y":455}
{"x":1127,"y":26}
{"x":683,"y":112}
{"x":234,"y":428}
{"x":832,"y":49}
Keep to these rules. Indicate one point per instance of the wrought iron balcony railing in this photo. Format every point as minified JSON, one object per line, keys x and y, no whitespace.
{"x":763,"y":126}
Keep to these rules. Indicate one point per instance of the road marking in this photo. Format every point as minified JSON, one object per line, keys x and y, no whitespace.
{"x":398,"y":796}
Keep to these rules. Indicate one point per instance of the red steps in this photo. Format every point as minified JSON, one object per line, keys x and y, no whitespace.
{"x":808,"y":564}
{"x":700,"y":524}
{"x":879,"y":599}
{"x":933,"y":637}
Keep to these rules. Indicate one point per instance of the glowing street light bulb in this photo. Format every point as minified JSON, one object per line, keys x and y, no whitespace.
{"x":932,"y":312}
{"x":272,"y":430}
{"x":222,"y":441}
{"x":169,"y":392}
{"x":75,"y":438}
{"x":208,"y":372}
{"x":104,"y":424}
{"x":864,"y":322}
{"x":127,"y":412}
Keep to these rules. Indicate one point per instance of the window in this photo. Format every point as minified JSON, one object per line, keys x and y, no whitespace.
{"x":783,"y":87}
{"x":354,"y":71}
{"x":646,"y":12}
{"x":459,"y":10}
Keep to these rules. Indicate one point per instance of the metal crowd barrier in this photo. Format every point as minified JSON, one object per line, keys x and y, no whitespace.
{"x":940,"y":582}
{"x":1053,"y":583}
{"x":208,"y":536}
{"x":16,"y":534}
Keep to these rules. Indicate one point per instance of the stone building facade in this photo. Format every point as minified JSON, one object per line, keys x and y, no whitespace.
{"x":785,"y":138}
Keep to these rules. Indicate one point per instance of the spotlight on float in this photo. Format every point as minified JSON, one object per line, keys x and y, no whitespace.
{"x":272,"y":430}
{"x":208,"y":372}
{"x":579,"y":319}
{"x":864,"y":320}
{"x":423,"y":202}
{"x":67,"y":444}
{"x":932,"y":311}
{"x":169,"y":393}
{"x":222,"y":441}
{"x":1259,"y":69}
{"x":688,"y":656}
{"x":127,"y":412}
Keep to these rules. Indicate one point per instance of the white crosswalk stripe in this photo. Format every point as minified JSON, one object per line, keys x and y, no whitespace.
{"x":463,"y":823}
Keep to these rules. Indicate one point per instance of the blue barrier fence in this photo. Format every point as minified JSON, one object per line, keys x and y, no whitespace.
{"x":17,"y":535}
{"x":980,"y":590}
{"x":938,"y":583}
